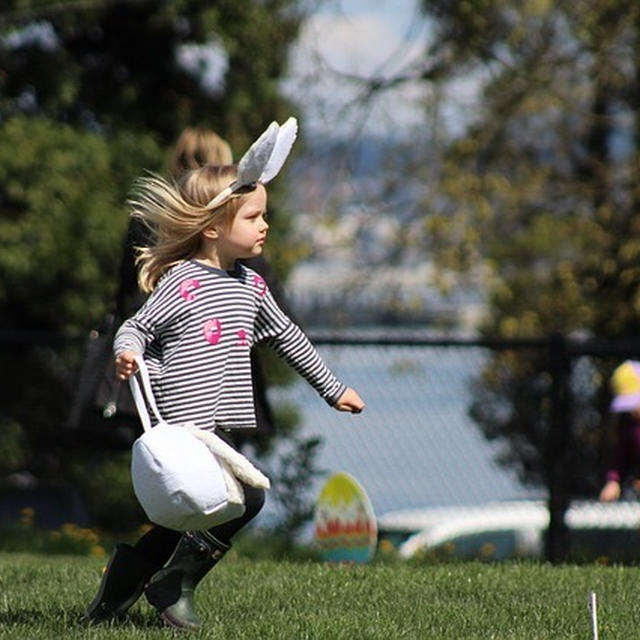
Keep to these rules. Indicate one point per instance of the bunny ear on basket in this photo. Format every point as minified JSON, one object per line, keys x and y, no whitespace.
{"x":263,"y":160}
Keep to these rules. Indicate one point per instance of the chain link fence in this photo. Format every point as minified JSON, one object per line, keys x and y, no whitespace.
{"x":417,"y":451}
{"x":417,"y":446}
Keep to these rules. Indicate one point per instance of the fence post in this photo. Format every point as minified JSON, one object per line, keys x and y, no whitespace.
{"x":558,"y":444}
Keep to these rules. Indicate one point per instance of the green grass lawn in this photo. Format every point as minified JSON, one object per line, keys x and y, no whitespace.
{"x":42,"y":597}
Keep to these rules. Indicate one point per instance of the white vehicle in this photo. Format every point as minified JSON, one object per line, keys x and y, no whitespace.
{"x":500,"y":530}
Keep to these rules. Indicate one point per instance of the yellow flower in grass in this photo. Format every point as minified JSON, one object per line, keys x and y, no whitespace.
{"x":87,"y":535}
{"x":386,"y":546}
{"x":97,"y":551}
{"x":449,"y":548}
{"x":78,"y":534}
{"x":26,"y":516}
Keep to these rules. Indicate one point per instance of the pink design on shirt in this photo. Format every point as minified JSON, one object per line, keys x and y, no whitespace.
{"x":187,"y":287}
{"x":212,"y":331}
{"x":242,"y":338}
{"x":260,"y":283}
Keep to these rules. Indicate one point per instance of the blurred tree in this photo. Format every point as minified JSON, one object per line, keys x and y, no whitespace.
{"x":542,"y":192}
{"x":62,"y":220}
{"x":61,"y":228}
{"x":150,"y":66}
{"x":533,"y":195}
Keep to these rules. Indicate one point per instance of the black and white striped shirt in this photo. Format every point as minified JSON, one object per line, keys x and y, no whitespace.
{"x":196,"y":331}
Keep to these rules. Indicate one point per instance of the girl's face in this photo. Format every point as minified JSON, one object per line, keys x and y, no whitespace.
{"x":246,"y":235}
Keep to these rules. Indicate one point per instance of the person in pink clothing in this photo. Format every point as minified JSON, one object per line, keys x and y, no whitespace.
{"x":625,"y":462}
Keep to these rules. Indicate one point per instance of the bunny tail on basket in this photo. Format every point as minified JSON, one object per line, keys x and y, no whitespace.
{"x":263,"y":160}
{"x":239,"y":465}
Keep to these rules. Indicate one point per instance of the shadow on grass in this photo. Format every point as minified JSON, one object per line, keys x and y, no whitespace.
{"x":23,"y":616}
{"x":136,"y":619}
{"x":144,"y":620}
{"x":76,"y":618}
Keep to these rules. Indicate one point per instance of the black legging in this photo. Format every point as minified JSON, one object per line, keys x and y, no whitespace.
{"x":158,"y":543}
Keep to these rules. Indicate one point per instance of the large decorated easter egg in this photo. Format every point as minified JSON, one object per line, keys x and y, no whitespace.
{"x":344,"y":522}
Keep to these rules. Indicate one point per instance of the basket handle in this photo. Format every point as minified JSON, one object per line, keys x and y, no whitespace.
{"x":143,"y":395}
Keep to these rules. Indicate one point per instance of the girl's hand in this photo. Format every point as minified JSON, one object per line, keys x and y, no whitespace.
{"x":610,"y":492}
{"x":126,"y":364}
{"x":349,"y":401}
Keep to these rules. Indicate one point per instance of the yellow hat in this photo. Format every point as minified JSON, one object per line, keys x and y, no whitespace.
{"x":625,"y":384}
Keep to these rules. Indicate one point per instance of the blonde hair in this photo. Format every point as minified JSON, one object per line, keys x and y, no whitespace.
{"x":176,"y":213}
{"x":196,"y":147}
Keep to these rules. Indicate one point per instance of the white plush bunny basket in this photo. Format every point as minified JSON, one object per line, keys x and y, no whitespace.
{"x":184,"y":477}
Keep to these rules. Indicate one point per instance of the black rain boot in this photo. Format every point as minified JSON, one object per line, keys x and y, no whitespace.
{"x":171,"y":589}
{"x":123,"y":582}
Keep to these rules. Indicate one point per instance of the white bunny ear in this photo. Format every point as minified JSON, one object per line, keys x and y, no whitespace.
{"x":263,"y":160}
{"x":257,"y":156}
{"x":284,"y":141}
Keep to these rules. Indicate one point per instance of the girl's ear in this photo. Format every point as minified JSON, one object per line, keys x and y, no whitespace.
{"x":211,"y":233}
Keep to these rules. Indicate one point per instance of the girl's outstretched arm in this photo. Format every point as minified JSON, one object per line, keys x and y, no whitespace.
{"x":350,"y":401}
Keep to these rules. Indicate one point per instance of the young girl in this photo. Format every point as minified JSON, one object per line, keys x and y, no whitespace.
{"x":196,"y":330}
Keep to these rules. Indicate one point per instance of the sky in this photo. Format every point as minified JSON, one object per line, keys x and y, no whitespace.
{"x":340,"y":43}
{"x":357,"y":38}
{"x":349,"y":39}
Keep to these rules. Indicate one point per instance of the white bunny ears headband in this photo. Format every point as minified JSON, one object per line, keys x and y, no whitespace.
{"x":263,"y":160}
